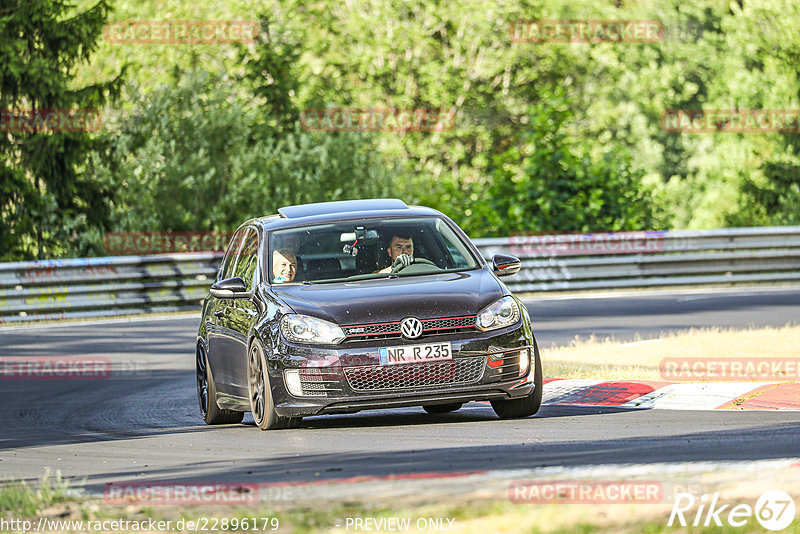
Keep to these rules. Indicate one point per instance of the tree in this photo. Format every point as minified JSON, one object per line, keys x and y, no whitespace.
{"x":45,"y":198}
{"x":770,"y":194}
{"x":191,"y":156}
{"x":771,"y":201}
{"x":270,"y":67}
{"x":544,"y":182}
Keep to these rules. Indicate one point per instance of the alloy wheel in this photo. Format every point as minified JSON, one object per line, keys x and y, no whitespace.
{"x":202,"y":380}
{"x":255,"y":380}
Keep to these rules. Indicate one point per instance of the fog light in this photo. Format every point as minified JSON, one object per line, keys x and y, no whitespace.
{"x":292,"y":378}
{"x":524,"y":361}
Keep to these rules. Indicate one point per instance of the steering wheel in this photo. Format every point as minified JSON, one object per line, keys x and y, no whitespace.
{"x":399,"y":265}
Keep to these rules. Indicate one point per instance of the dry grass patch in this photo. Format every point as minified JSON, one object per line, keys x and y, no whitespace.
{"x":639,"y":359}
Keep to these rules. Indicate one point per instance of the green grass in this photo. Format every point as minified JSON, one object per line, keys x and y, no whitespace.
{"x":471,"y":516}
{"x":24,"y":500}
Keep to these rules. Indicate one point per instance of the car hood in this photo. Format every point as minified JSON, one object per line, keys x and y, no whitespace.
{"x":391,"y":299}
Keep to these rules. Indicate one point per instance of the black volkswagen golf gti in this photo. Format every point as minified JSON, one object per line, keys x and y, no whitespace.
{"x":344,"y":306}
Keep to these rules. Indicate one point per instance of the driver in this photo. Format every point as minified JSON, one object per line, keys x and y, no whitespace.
{"x":401,"y":251}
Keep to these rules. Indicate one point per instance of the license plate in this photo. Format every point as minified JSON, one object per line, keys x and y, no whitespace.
{"x":430,"y":352}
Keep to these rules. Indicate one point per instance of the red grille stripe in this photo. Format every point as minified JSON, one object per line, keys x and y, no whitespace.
{"x":450,"y":318}
{"x":371,"y":324}
{"x":445,"y":328}
{"x":375,"y":333}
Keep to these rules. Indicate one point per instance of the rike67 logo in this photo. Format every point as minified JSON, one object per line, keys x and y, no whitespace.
{"x":774,"y":510}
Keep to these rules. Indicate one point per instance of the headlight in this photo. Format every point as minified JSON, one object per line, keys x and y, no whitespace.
{"x":305,"y":329}
{"x":504,"y":312}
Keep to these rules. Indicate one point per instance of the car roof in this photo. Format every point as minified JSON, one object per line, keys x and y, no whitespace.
{"x":322,"y":212}
{"x":341,"y":206}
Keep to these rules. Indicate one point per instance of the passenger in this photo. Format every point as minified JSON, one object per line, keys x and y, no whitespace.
{"x":284,"y":266}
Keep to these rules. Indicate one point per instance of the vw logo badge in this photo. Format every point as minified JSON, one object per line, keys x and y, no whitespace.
{"x":411,"y":327}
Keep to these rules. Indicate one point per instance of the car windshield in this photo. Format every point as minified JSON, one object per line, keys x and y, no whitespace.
{"x":366,"y":248}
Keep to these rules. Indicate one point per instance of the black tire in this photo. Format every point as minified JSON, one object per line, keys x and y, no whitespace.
{"x":442,"y":408}
{"x":261,"y":403}
{"x":525,"y":406}
{"x":207,"y":392}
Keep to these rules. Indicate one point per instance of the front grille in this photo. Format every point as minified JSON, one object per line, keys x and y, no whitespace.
{"x":319,"y":382}
{"x":366,"y":330}
{"x":416,"y":375}
{"x":392,"y":330}
{"x":448,"y":323}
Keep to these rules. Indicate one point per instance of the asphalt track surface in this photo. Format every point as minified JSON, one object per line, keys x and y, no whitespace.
{"x":143,"y":424}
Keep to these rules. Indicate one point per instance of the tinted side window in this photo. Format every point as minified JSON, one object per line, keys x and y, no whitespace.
{"x":247,"y":261}
{"x":230,"y":254}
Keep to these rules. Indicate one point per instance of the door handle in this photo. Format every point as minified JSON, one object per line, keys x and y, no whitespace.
{"x":219,"y":313}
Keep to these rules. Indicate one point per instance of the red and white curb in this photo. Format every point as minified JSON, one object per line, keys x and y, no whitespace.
{"x":673,"y":395}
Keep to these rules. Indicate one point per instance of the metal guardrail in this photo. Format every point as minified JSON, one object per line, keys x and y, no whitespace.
{"x":120,"y":285}
{"x":50,"y":289}
{"x":651,"y":259}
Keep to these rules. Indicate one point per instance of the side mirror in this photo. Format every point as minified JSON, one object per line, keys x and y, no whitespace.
{"x":503,"y":265}
{"x":230,"y":288}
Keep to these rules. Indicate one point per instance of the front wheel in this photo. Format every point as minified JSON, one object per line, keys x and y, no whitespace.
{"x":525,"y":406}
{"x":207,"y":394}
{"x":261,"y":403}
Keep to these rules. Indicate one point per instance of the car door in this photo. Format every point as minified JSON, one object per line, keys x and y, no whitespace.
{"x":238,"y":318}
{"x":216,"y":337}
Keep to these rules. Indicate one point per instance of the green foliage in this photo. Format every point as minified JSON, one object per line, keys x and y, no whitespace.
{"x":23,"y":500}
{"x":774,"y":202}
{"x":270,"y":76}
{"x":191,"y":156}
{"x":547,"y":136}
{"x":171,"y":159}
{"x":303,"y":167}
{"x":45,"y":198}
{"x":544,"y":182}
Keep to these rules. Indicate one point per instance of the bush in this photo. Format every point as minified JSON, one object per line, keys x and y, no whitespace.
{"x":544,"y":182}
{"x":773,"y":201}
{"x":190,"y":156}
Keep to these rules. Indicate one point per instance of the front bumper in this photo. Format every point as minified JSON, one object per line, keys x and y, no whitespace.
{"x":350,"y":378}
